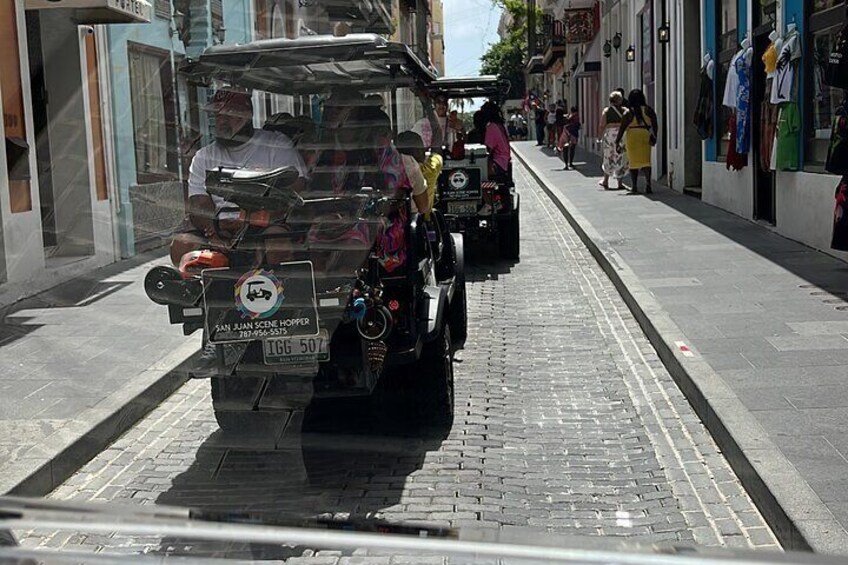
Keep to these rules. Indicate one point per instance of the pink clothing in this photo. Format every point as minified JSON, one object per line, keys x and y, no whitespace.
{"x":497,"y":141}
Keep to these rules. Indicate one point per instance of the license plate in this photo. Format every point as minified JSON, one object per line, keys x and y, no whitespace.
{"x":464,"y":208}
{"x":291,"y":350}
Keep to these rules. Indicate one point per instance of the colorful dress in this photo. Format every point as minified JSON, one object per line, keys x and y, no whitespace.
{"x":788,"y":138}
{"x":743,"y":110}
{"x":615,"y":162}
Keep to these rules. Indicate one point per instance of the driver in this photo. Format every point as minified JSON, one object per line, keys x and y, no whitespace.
{"x":237,"y":144}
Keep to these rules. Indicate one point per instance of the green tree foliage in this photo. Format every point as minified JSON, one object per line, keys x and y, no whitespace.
{"x":507,"y":57}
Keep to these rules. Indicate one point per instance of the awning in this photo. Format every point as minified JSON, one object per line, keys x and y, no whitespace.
{"x":99,"y":11}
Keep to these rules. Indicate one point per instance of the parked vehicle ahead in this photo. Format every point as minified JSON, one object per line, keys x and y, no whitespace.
{"x":318,"y":278}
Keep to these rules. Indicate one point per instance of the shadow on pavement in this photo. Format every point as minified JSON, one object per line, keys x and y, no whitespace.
{"x":78,"y":292}
{"x":350,"y":468}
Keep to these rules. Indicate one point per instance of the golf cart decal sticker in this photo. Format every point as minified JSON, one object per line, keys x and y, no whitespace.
{"x":258,"y":294}
{"x":458,"y":179}
{"x":262,"y":303}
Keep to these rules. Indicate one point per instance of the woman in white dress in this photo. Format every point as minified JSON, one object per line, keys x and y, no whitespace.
{"x":615,"y":161}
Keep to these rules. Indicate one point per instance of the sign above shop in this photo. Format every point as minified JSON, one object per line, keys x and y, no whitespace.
{"x":579,"y":25}
{"x":99,"y":11}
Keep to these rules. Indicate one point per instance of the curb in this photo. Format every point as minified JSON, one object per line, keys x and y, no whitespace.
{"x":66,"y":451}
{"x":798,"y":517}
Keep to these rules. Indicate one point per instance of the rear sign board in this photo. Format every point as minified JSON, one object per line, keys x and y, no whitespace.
{"x":260,"y":303}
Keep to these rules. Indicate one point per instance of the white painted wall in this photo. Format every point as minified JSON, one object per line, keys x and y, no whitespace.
{"x":805,"y":203}
{"x":729,"y":190}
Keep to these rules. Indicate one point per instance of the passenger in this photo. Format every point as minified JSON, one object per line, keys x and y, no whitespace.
{"x":411,"y":146}
{"x":478,"y":134}
{"x":237,"y":144}
{"x":497,"y":142}
{"x":440,"y":129}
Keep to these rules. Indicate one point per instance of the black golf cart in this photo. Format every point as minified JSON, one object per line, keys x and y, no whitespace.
{"x":336,"y":320}
{"x":479,"y":207}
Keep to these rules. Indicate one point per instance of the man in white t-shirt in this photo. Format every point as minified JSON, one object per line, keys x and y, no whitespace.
{"x":237,"y":144}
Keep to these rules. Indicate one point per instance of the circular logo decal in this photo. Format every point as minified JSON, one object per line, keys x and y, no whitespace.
{"x":458,"y":179}
{"x":258,"y":294}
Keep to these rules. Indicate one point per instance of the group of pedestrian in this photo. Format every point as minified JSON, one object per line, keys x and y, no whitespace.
{"x":558,"y":129}
{"x":628,"y":133}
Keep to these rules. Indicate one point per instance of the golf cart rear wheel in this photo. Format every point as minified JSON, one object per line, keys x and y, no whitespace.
{"x":435,"y":396}
{"x":458,"y":313}
{"x":508,"y":236}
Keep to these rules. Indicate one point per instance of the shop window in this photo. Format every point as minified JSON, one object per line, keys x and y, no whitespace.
{"x":824,"y":100}
{"x":728,"y":45}
{"x":153,"y":105}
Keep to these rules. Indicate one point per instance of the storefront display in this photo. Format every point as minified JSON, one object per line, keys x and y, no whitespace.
{"x":836,"y":69}
{"x":703,"y":119}
{"x":743,"y":109}
{"x":788,"y":137}
{"x":788,"y":63}
{"x":769,"y":112}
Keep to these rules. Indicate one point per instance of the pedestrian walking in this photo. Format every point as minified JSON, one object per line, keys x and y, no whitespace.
{"x":639,"y":130}
{"x":569,"y":137}
{"x":559,"y":118}
{"x":550,"y":120}
{"x":539,"y":121}
{"x":615,"y":162}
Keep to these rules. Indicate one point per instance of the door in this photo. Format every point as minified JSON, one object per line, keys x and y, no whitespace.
{"x":41,"y":131}
{"x":764,"y":177}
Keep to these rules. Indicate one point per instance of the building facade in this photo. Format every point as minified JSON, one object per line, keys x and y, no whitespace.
{"x":57,"y":199}
{"x":792,"y":190}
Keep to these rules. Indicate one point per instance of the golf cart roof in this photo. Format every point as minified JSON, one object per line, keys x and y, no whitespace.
{"x":484,"y":86}
{"x":312,"y":64}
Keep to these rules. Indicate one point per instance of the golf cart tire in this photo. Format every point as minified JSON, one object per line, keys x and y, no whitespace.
{"x":509,"y":236}
{"x":435,"y":393}
{"x":234,"y":402}
{"x":458,"y":314}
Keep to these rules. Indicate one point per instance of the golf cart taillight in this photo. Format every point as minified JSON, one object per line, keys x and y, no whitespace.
{"x":195,"y":261}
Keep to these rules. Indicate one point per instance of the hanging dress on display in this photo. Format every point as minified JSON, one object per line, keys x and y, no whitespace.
{"x":840,"y":217}
{"x":704,"y":108}
{"x":788,"y":138}
{"x":743,"y":110}
{"x":787,"y":63}
{"x":837,"y":153}
{"x":768,"y":111}
{"x":735,"y":160}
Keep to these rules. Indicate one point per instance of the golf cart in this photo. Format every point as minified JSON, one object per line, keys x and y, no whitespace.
{"x":464,"y":185}
{"x":336,"y":320}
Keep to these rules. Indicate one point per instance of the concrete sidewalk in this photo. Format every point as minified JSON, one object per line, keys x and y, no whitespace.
{"x":79,"y":365}
{"x":754,"y":328}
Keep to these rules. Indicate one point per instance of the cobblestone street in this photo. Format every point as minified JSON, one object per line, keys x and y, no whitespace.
{"x":566,"y":422}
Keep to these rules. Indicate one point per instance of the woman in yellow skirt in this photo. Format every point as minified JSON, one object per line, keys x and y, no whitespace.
{"x":639,"y":130}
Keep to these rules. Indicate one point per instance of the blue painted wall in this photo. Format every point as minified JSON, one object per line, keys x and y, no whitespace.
{"x":154,"y":34}
{"x":709,"y":24}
